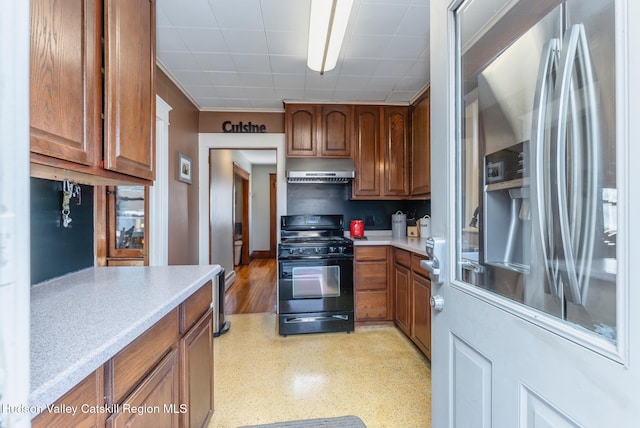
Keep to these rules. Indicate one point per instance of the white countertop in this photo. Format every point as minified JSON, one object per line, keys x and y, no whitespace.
{"x":384,"y":237}
{"x":81,"y":320}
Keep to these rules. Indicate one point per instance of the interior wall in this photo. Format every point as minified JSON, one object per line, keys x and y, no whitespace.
{"x":221,"y":208}
{"x":183,"y":212}
{"x":259,"y":214}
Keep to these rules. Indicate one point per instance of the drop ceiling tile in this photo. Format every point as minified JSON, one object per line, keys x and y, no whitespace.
{"x":237,"y":14}
{"x":252,"y":63}
{"x":286,"y":43}
{"x":214,"y":61}
{"x":224,"y":78}
{"x":400,"y":96}
{"x":190,"y":78}
{"x":230,"y":92}
{"x":288,"y":64}
{"x":366,"y":46}
{"x":351,"y":82}
{"x":257,"y":80}
{"x":178,"y":61}
{"x":398,"y":68}
{"x":415,"y":22}
{"x":383,"y":83}
{"x":358,"y":67}
{"x":405,"y":47}
{"x":410,"y":84}
{"x":318,"y":94}
{"x":245,"y":41}
{"x":224,"y":103}
{"x":260,"y":93}
{"x":161,"y":19}
{"x":202,"y":91}
{"x":289,"y":81}
{"x":287,"y":16}
{"x":290,"y":93}
{"x":270,"y":104}
{"x":203,"y":39}
{"x":379,"y":19}
{"x":420,"y":69}
{"x":169,"y":40}
{"x":195,"y":13}
{"x":317,"y":81}
{"x":367,"y":95}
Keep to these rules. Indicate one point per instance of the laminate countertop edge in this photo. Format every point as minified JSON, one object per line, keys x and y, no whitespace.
{"x":81,"y":320}
{"x":413,"y":244}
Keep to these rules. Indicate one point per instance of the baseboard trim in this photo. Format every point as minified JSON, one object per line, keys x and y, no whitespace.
{"x":262,"y":254}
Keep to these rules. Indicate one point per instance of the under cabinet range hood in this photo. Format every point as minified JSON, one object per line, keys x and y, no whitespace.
{"x":320,"y":170}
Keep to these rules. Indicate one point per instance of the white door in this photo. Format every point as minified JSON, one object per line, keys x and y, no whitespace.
{"x":520,"y":350}
{"x":15,"y":278}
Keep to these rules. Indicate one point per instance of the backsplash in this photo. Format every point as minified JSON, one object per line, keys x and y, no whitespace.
{"x":56,"y":250}
{"x":305,"y":198}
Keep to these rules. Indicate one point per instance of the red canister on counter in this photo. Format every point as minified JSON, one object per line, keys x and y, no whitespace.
{"x":356,"y":228}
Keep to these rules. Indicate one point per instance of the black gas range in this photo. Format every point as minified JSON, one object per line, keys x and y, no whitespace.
{"x":315,"y":275}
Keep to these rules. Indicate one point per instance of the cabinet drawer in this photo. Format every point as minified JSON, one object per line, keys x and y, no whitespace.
{"x":195,"y":306}
{"x":371,"y":305}
{"x":415,"y":265}
{"x":371,"y":275}
{"x":129,"y":366}
{"x":371,"y":253}
{"x":402,"y":257}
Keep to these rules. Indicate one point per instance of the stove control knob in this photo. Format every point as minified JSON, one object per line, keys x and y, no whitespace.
{"x":291,"y":250}
{"x":316,"y":250}
{"x":301,"y":250}
{"x":332,"y":249}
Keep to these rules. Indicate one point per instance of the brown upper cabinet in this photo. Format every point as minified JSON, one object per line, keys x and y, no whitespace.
{"x":67,"y":85}
{"x":324,"y":130}
{"x":381,"y":152}
{"x":421,"y":146}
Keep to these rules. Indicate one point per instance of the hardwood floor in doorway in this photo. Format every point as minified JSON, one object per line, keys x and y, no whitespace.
{"x":254,"y":290}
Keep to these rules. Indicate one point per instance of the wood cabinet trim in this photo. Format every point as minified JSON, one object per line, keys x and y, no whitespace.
{"x":192,"y":309}
{"x":133,"y":363}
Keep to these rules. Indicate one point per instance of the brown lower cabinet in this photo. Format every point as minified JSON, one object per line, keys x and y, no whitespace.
{"x":371,"y":282}
{"x":164,"y":378}
{"x":412,"y":295}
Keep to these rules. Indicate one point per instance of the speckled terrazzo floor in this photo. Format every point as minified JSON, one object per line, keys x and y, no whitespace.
{"x":374,"y":373}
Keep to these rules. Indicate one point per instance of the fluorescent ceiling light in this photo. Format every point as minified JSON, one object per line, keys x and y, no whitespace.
{"x":327,"y":26}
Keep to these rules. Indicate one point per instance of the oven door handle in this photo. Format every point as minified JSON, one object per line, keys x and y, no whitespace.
{"x":294,"y":320}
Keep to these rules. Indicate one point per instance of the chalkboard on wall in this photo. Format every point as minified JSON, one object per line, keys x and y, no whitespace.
{"x":56,"y":250}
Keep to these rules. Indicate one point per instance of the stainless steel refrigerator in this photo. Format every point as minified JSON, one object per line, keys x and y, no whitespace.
{"x":546,"y":108}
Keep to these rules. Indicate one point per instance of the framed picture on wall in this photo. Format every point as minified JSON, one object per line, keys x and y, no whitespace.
{"x":184,"y":168}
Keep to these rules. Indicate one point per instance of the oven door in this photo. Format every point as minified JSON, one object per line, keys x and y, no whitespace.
{"x":315,"y":284}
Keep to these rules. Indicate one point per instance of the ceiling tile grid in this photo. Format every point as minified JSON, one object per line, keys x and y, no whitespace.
{"x":251,"y":54}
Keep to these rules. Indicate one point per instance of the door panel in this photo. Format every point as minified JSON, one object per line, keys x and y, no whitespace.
{"x":471,"y":385}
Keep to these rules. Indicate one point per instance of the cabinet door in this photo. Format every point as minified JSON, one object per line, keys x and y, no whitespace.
{"x":130,"y":91}
{"x":421,"y":147}
{"x":156,"y":399}
{"x":65,"y":104}
{"x":402,"y":296}
{"x":301,"y":129}
{"x":89,"y":392}
{"x":336,"y":131}
{"x":396,"y":151}
{"x":196,"y":350}
{"x":367,"y":156}
{"x":421,"y":324}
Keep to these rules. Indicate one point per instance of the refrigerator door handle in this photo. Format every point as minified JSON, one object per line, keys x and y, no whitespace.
{"x":539,"y":149}
{"x":575,"y":240}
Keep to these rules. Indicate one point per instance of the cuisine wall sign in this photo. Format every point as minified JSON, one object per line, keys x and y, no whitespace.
{"x":242,"y":128}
